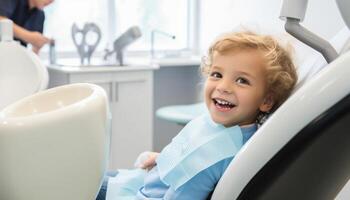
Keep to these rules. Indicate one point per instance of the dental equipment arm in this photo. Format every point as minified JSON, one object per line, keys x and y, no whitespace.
{"x":293,"y":11}
{"x":128,"y":37}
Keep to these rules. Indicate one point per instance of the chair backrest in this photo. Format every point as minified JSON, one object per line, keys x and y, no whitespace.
{"x":21,"y":73}
{"x":313,"y":165}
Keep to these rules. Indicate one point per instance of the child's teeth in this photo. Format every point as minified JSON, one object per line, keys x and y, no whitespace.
{"x":223,"y":102}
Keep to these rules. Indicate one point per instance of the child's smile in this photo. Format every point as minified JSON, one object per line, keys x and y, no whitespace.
{"x":223,"y":105}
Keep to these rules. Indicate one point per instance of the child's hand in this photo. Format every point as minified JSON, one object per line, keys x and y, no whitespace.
{"x":150,"y":162}
{"x":146,"y":160}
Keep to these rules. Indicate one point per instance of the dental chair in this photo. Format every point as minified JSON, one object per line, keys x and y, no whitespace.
{"x":21,"y":71}
{"x":53,"y":143}
{"x":302,"y":151}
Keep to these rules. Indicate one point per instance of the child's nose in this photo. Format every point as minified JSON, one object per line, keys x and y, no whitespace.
{"x":225,"y":87}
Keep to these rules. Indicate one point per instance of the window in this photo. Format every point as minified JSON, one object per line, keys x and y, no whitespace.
{"x":116,"y":16}
{"x":167,"y":16}
{"x":228,"y":15}
{"x":216,"y":19}
{"x":61,"y":15}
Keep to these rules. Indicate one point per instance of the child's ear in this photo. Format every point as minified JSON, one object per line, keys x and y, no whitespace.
{"x":267,"y":104}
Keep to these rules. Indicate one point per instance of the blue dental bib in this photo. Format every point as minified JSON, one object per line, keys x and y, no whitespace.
{"x":201,"y":144}
{"x":125,"y":185}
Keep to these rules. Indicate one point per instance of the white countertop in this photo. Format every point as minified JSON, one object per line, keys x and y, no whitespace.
{"x":135,"y":63}
{"x":73,"y":65}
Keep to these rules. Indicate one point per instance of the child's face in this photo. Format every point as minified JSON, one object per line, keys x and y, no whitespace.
{"x":236,"y":88}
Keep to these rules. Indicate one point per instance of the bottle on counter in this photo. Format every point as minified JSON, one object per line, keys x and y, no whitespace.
{"x":52,"y":52}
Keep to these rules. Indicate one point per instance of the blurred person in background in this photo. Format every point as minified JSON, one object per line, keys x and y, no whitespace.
{"x":28,"y":20}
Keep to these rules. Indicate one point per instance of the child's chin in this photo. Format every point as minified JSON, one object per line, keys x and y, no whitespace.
{"x":218,"y":120}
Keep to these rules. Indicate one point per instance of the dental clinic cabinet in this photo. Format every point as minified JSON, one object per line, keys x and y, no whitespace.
{"x":130,"y":93}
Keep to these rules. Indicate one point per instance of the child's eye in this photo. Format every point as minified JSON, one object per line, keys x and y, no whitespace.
{"x":216,"y":75}
{"x":242,"y":81}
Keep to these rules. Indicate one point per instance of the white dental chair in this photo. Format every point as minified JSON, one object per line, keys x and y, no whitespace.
{"x":53,"y":143}
{"x":21,"y":71}
{"x":302,"y":151}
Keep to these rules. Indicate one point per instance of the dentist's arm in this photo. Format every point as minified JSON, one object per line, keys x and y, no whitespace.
{"x":36,"y":39}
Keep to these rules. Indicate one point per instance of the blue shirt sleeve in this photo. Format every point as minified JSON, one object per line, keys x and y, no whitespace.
{"x":7,"y":7}
{"x":35,"y":22}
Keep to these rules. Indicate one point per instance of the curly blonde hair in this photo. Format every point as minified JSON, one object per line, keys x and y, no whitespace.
{"x":281,"y":73}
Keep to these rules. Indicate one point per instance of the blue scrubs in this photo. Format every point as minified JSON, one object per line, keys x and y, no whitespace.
{"x":18,"y":11}
{"x":199,"y":187}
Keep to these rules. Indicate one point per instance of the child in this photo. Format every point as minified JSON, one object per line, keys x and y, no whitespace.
{"x":248,"y":76}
